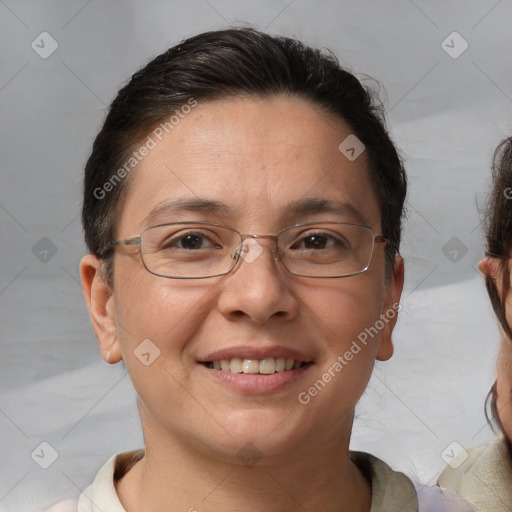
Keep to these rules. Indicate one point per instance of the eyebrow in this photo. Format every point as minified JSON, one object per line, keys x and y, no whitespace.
{"x":187,"y":205}
{"x":301,"y":207}
{"x":314,"y":205}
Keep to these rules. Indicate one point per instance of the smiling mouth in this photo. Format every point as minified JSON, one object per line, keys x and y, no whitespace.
{"x":267,"y":366}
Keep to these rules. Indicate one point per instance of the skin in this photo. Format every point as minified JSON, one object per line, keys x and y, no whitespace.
{"x":490,"y":267}
{"x":256,"y":156}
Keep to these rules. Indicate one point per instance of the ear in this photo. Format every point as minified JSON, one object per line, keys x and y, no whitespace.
{"x":100,"y":301}
{"x":491,"y":267}
{"x":488,"y":267}
{"x":390,"y":309}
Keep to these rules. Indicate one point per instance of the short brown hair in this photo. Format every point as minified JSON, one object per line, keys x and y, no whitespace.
{"x":228,"y":63}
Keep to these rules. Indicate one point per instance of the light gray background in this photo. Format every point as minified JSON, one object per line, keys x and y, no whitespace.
{"x":447,"y":114}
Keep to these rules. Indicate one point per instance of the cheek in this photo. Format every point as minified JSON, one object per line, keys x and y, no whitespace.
{"x":349,"y":309}
{"x":165,"y":311}
{"x":349,"y":320}
{"x":157,"y":320}
{"x":504,"y":387}
{"x":504,"y":404}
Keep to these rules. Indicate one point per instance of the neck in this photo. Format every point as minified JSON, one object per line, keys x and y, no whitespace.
{"x":311,"y":478}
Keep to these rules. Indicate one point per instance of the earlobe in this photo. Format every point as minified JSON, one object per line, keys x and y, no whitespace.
{"x":100,"y":302}
{"x":488,"y":267}
{"x":493,"y":268}
{"x":389,"y":315}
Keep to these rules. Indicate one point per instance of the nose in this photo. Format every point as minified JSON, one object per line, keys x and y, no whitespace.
{"x":258,"y":288}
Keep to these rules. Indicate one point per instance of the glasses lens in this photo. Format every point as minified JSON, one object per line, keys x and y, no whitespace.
{"x":327,"y":249}
{"x":189,"y":250}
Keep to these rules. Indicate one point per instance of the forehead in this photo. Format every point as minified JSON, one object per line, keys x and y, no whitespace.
{"x":260,"y":160}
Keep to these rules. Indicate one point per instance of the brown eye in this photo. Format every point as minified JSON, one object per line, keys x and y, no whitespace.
{"x":192,"y":241}
{"x":320,"y":241}
{"x":315,"y":242}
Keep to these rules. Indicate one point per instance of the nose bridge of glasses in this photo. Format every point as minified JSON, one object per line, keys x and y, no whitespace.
{"x":252,"y":242}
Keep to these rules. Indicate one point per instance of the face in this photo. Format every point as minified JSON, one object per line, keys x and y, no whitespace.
{"x":491,"y":267}
{"x":257,"y":157}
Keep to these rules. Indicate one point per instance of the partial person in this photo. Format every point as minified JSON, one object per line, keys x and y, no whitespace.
{"x":243,"y":207}
{"x":485,"y":477}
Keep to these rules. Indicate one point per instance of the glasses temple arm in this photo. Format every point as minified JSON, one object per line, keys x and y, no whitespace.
{"x":129,"y":241}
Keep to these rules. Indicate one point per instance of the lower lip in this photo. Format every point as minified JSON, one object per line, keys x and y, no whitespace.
{"x":256,"y":383}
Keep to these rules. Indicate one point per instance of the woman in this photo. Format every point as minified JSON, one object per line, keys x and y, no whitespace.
{"x":485,"y":477}
{"x":242,"y":208}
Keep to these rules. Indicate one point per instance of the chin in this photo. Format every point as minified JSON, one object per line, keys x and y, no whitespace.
{"x":256,"y":435}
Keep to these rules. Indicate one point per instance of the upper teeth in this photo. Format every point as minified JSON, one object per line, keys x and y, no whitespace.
{"x":265,"y":366}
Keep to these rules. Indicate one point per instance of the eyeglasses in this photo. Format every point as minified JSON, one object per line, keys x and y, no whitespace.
{"x":198,"y":250}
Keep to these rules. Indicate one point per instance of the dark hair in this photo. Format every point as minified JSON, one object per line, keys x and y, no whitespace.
{"x":498,"y":233}
{"x":498,"y":228}
{"x":228,"y":63}
{"x":492,"y":414}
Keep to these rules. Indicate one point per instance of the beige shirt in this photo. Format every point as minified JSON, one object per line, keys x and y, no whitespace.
{"x":484,"y":478}
{"x":391,"y":491}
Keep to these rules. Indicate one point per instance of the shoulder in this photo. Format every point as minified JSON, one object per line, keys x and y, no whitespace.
{"x":391,"y":490}
{"x":101,"y":495}
{"x":483,"y":475}
{"x":435,"y":499}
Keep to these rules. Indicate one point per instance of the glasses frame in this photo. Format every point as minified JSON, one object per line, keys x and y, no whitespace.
{"x":136,"y":240}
